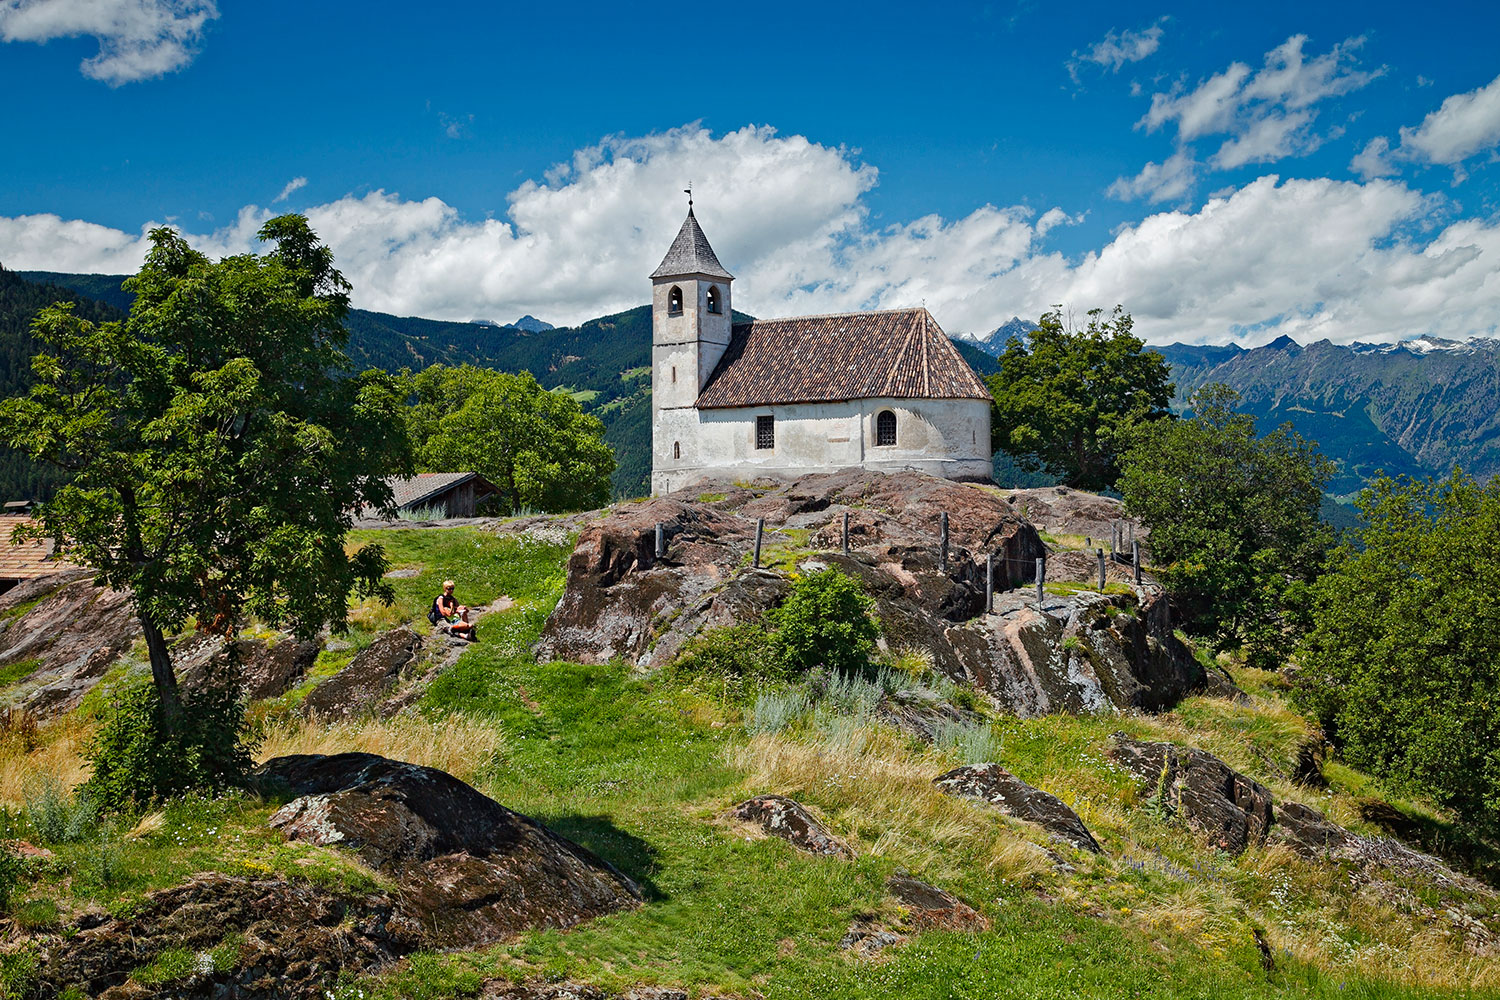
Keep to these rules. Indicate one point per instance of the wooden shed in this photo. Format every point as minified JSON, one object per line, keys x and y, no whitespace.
{"x":447,"y":494}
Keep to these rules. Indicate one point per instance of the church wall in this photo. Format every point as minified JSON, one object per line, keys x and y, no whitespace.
{"x":946,"y":437}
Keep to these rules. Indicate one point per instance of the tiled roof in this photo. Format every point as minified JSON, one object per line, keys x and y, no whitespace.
{"x":22,"y":562}
{"x":900,"y":353}
{"x":424,"y":485}
{"x":691,"y":254}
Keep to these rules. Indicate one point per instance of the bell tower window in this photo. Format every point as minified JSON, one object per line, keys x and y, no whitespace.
{"x":676,"y":449}
{"x":713,"y":300}
{"x":674,"y":301}
{"x":885,"y":428}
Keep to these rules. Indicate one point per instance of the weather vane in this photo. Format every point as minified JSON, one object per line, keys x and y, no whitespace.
{"x":689,"y":192}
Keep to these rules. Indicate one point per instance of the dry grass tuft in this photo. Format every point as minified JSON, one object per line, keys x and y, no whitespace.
{"x":456,"y":744}
{"x":53,"y":750}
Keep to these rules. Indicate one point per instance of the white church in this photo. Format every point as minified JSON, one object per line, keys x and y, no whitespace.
{"x":885,"y":391}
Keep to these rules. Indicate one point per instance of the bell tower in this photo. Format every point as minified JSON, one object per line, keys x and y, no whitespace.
{"x":691,"y":323}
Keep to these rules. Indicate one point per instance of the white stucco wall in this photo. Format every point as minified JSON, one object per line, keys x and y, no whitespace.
{"x":944,"y":437}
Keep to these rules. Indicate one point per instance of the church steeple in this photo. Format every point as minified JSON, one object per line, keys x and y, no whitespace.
{"x":690,"y":254}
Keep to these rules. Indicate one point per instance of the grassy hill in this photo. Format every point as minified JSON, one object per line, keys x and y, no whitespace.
{"x":641,"y":769}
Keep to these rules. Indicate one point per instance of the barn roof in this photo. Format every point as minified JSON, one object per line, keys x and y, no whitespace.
{"x":690,"y":254}
{"x":897,"y":353}
{"x":426,"y":485}
{"x":27,"y":560}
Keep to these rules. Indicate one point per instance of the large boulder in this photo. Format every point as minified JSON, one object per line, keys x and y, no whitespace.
{"x":470,"y":871}
{"x":287,"y":939}
{"x":996,"y":786}
{"x":370,"y":676}
{"x":930,"y":908}
{"x":782,"y":817}
{"x":73,"y":630}
{"x":1082,"y":654}
{"x":1232,"y":811}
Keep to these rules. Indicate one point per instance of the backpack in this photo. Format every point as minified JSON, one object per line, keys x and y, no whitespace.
{"x":433,"y":617}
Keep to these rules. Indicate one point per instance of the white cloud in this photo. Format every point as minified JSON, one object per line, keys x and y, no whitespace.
{"x":1117,"y":49}
{"x":1462,"y":127}
{"x":138,"y":39}
{"x":1311,"y":258}
{"x":295,"y":184}
{"x":1374,"y":160}
{"x":1267,"y":114}
{"x":1157,"y":182}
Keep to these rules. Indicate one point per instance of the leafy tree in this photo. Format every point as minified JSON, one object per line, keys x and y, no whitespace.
{"x":1234,"y":519}
{"x":216,"y":442}
{"x":1067,"y":399}
{"x":1402,"y":664}
{"x":538,"y":447}
{"x":827,"y":620}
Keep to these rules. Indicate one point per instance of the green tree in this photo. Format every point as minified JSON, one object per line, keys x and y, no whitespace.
{"x":1402,"y":663}
{"x":1066,"y":399}
{"x":216,"y":443}
{"x":1235,"y":531}
{"x":827,"y":620}
{"x":538,"y":447}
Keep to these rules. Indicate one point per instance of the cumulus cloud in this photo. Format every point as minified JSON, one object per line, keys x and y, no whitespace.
{"x":138,"y":39}
{"x":295,"y":184}
{"x":1166,"y":181}
{"x":1266,"y":114}
{"x":1311,"y":258}
{"x":1115,"y":50}
{"x":1462,"y":127}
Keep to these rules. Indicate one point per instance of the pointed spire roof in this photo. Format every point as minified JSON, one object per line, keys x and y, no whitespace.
{"x":691,"y":254}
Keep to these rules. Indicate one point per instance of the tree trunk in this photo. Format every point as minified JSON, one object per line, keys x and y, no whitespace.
{"x":162,"y":673}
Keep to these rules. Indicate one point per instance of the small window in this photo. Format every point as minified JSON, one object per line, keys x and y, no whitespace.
{"x":676,"y":449}
{"x":674,"y":374}
{"x":885,"y":428}
{"x":674,"y":301}
{"x":765,"y":432}
{"x":713,"y":299}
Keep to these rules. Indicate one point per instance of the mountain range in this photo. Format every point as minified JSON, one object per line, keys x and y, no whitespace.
{"x":1417,"y":407}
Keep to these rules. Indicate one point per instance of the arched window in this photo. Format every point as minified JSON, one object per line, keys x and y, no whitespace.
{"x":885,"y":428}
{"x":674,"y":301}
{"x":674,"y":374}
{"x":676,"y":449}
{"x":713,"y":299}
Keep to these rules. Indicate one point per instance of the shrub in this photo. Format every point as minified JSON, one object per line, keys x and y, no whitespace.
{"x":734,"y":654}
{"x":826,"y":621}
{"x":138,"y":758}
{"x":58,"y":817}
{"x":775,"y":711}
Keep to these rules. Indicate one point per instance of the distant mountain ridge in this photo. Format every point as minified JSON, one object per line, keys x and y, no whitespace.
{"x":993,"y":343}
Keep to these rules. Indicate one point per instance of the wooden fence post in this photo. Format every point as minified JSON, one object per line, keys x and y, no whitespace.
{"x":943,"y":556}
{"x":1100,"y":552}
{"x":846,"y":532}
{"x":661,"y":540}
{"x":1041,"y":579}
{"x":760,"y":529}
{"x":989,"y":582}
{"x":1135,"y":560}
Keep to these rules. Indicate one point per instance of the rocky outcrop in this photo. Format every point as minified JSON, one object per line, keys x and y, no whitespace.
{"x":1062,"y":510}
{"x":923,"y":715}
{"x":470,"y":871}
{"x":930,"y":908}
{"x":285,"y":938}
{"x":1086,"y":653}
{"x":781,"y":817}
{"x":370,"y":676}
{"x":995,"y":785}
{"x":262,"y":668}
{"x":1231,"y":810}
{"x":73,"y":630}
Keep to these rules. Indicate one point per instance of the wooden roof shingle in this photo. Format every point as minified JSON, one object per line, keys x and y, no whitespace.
{"x":897,"y":353}
{"x":27,"y":560}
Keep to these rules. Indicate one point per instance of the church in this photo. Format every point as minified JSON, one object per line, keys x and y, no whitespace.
{"x":885,"y":391}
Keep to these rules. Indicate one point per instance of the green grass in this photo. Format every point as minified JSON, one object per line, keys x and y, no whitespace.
{"x":13,"y":673}
{"x":1068,"y":587}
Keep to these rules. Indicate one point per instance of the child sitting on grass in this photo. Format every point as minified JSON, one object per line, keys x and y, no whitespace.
{"x":445,"y":608}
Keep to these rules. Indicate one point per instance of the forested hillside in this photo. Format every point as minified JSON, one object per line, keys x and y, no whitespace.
{"x":20,"y":300}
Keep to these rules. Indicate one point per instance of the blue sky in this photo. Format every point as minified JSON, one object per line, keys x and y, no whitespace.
{"x":1217,"y":169}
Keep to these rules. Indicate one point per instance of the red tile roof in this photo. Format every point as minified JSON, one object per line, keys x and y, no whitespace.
{"x":899,"y":353}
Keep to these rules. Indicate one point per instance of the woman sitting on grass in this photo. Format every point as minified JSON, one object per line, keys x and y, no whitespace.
{"x":447,"y":609}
